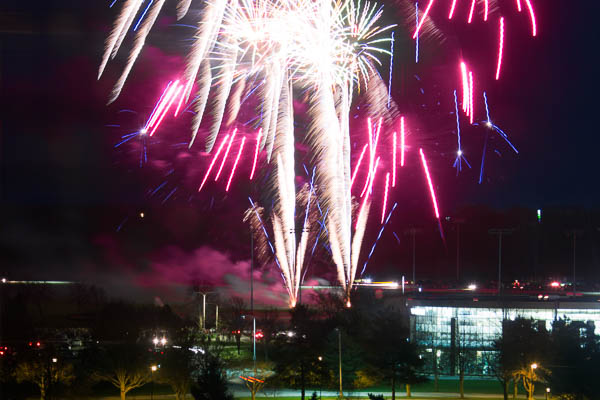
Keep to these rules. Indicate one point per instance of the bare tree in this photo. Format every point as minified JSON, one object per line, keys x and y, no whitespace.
{"x":125,"y":367}
{"x":45,"y":372}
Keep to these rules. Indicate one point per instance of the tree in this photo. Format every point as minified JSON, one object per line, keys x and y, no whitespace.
{"x":234,"y":319}
{"x":44,"y":371}
{"x":575,"y":365}
{"x":176,"y":369}
{"x":296,"y":356}
{"x":466,"y":354}
{"x":211,"y":383}
{"x":523,"y":342}
{"x":125,"y":367}
{"x":390,"y":351}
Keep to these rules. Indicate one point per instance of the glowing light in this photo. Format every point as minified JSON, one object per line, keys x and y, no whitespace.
{"x":373,"y":177}
{"x":555,"y":284}
{"x":402,"y":141}
{"x":166,"y":109}
{"x":519,"y":5}
{"x":212,"y":163}
{"x":423,"y":19}
{"x":534,"y":366}
{"x":237,"y":159}
{"x":143,"y":131}
{"x":153,"y":368}
{"x":155,"y":340}
{"x":471,"y":12}
{"x":452,"y":9}
{"x":258,"y":136}
{"x":465,"y":86}
{"x":471,"y":96}
{"x":385,"y":196}
{"x":362,"y":154}
{"x":485,"y":9}
{"x":179,"y":104}
{"x":459,"y":153}
{"x":500,"y":48}
{"x":430,"y":183}
{"x":141,"y":215}
{"x":532,"y":16}
{"x":163,"y":341}
{"x":395,"y":144}
{"x":226,"y":154}
{"x":539,"y":215}
{"x":472,"y":286}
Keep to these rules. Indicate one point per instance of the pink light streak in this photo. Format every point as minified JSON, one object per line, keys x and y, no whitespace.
{"x":162,"y":104}
{"x":471,"y":96}
{"x":431,"y":191}
{"x":465,"y":85}
{"x":237,"y":159}
{"x":362,"y":154}
{"x":423,"y":19}
{"x":500,"y":48}
{"x":452,"y":9}
{"x":385,"y":196}
{"x":258,"y":136}
{"x":532,"y":15}
{"x":166,"y":110}
{"x":394,"y":161}
{"x":485,"y":10}
{"x":179,"y":104}
{"x":471,"y":12}
{"x":373,"y":177}
{"x":402,"y":141}
{"x":226,"y":154}
{"x":519,"y":5}
{"x":212,"y":163}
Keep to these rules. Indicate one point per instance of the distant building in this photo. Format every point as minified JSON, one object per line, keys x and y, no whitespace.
{"x":447,"y":328}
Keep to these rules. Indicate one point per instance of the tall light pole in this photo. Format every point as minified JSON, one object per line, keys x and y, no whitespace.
{"x":574,"y":233}
{"x":340,"y":360}
{"x":499,"y":232}
{"x":457,"y":222}
{"x":413,"y":232}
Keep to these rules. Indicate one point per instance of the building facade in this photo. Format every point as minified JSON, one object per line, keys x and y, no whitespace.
{"x":455,"y":331}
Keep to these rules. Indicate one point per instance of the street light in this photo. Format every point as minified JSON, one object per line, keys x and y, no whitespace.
{"x":340,"y":359}
{"x":534,"y":366}
{"x":152,"y":371}
{"x":547,"y":393}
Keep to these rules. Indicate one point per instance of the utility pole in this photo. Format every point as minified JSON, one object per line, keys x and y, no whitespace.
{"x":574,"y":233}
{"x":251,"y":273}
{"x":499,"y":232}
{"x":413,"y":232}
{"x":457,"y":222}
{"x":340,"y":360}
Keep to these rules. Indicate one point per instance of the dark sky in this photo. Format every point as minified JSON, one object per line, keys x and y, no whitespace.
{"x":65,"y":189}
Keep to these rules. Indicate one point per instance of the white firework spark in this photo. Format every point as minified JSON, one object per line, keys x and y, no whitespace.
{"x":326,"y":47}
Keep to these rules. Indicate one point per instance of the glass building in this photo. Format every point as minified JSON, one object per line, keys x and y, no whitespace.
{"x":451,"y":332}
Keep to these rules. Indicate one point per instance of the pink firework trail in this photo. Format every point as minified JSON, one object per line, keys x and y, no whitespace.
{"x":179,"y":104}
{"x":402,"y":141}
{"x":162,"y":104}
{"x":532,"y":16}
{"x":485,"y":9}
{"x":465,"y":86}
{"x":385,"y":196}
{"x":371,"y":156}
{"x":362,"y":154}
{"x":395,"y":144}
{"x":212,"y":163}
{"x":519,"y":5}
{"x":258,"y":136}
{"x":452,"y":9}
{"x":237,"y":159}
{"x":471,"y":12}
{"x":423,"y":19}
{"x":430,"y":183}
{"x":179,"y":88}
{"x":471,"y":96}
{"x":500,"y":48}
{"x":373,"y":177}
{"x":226,"y":154}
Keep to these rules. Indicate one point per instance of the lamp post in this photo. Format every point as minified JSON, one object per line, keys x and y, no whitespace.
{"x":340,"y":360}
{"x":547,"y":393}
{"x":499,"y":232}
{"x":152,"y":370}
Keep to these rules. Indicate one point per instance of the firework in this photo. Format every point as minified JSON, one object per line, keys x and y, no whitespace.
{"x":500,"y":47}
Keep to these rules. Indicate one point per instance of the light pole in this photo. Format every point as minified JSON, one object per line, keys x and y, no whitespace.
{"x":499,"y":232}
{"x":152,"y":371}
{"x":458,"y":222}
{"x":204,"y":294}
{"x":340,"y":360}
{"x":574,"y":233}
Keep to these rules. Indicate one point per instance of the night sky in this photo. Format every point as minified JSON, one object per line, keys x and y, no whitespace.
{"x":71,"y":201}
